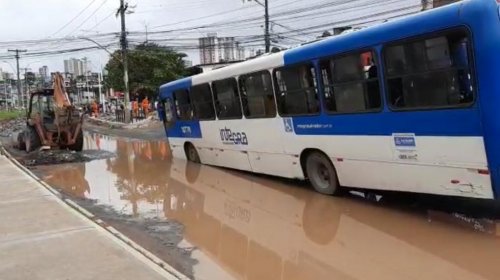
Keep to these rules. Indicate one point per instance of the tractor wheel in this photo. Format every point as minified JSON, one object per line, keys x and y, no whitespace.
{"x":21,"y":145}
{"x":31,"y":139}
{"x":78,"y":146}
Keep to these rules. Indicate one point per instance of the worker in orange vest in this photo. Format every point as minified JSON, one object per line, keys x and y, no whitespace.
{"x":95,"y":109}
{"x":135,"y":108}
{"x":145,"y":106}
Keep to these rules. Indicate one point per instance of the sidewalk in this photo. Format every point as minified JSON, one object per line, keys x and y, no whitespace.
{"x":43,"y":238}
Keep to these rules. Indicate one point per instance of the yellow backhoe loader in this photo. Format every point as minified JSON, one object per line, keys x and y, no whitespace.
{"x":52,"y":121}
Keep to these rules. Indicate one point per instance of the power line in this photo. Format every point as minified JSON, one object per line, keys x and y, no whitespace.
{"x":74,"y":18}
{"x":109,"y":39}
{"x":103,"y":20}
{"x":91,"y":15}
{"x":204,"y":17}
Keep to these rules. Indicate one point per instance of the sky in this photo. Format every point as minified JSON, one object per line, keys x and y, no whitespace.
{"x":65,"y":19}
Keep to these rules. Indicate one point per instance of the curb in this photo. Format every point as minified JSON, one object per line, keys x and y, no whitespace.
{"x":112,"y":232}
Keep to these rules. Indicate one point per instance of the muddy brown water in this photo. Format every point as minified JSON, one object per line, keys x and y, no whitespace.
{"x":235,"y":225}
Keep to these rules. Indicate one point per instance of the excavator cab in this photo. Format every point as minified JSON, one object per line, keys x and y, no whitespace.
{"x":52,"y":121}
{"x":41,"y":104}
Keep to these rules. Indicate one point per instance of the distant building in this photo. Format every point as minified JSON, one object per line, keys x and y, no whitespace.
{"x":240,"y":52}
{"x":215,"y":49}
{"x":44,"y":73}
{"x":86,"y":66}
{"x":227,"y":49}
{"x":7,"y":76}
{"x":208,"y":49}
{"x":77,"y":67}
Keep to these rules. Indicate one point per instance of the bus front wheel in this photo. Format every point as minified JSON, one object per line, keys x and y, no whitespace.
{"x":322,"y":174}
{"x":191,"y":153}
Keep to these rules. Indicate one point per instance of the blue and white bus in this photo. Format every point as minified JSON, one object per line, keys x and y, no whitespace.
{"x":410,"y":105}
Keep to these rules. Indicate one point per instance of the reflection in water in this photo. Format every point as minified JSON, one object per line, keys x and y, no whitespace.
{"x":258,"y":228}
{"x":141,"y":169}
{"x":73,"y":178}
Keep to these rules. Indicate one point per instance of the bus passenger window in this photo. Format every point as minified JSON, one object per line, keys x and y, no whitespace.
{"x":183,"y":105}
{"x":227,"y":99}
{"x":164,"y":108}
{"x":297,"y":92}
{"x":430,"y":73}
{"x":257,"y":95}
{"x":201,"y":98}
{"x":351,"y":83}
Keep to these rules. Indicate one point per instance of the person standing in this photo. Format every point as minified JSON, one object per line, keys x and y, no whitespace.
{"x":135,"y":108}
{"x":145,"y":106}
{"x":95,"y":109}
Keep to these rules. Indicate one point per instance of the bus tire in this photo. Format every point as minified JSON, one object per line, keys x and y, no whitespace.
{"x":322,"y":174}
{"x":191,"y":153}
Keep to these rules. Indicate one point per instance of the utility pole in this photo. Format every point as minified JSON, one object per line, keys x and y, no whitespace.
{"x":267,"y":36}
{"x":123,"y":42}
{"x":19,"y":92}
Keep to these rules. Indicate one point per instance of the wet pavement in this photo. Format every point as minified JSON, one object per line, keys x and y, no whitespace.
{"x":213,"y":223}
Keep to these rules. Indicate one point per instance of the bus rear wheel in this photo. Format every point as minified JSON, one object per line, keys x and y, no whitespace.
{"x":322,"y":174}
{"x":191,"y":153}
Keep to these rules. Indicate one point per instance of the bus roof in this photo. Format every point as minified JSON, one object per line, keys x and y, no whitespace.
{"x":426,"y":22}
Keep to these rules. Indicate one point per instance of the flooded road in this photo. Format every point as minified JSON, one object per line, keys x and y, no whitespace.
{"x":213,"y":223}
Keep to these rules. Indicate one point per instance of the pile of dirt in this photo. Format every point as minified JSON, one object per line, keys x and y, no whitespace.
{"x":63,"y":156}
{"x":9,"y":127}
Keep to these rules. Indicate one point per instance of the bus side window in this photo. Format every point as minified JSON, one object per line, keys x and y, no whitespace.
{"x":296,"y":90}
{"x":257,"y":95}
{"x":227,"y":99}
{"x":201,"y":98}
{"x":164,"y":108}
{"x":430,"y":73}
{"x":351,"y":83}
{"x":183,"y":106}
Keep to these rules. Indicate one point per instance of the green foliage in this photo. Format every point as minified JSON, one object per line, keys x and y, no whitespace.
{"x":9,"y":115}
{"x":150,"y":66}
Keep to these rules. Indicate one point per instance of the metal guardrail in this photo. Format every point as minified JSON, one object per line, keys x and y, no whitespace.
{"x":120,"y":115}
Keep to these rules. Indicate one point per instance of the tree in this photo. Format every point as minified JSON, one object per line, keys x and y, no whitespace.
{"x":150,"y":66}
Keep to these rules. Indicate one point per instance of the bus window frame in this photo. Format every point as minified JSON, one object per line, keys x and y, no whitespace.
{"x":277,"y":91}
{"x":174,"y":99}
{"x":380,"y":78}
{"x":173,"y":117}
{"x":273,"y":93}
{"x":431,"y":35}
{"x":216,"y":100}
{"x":211,"y":97}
